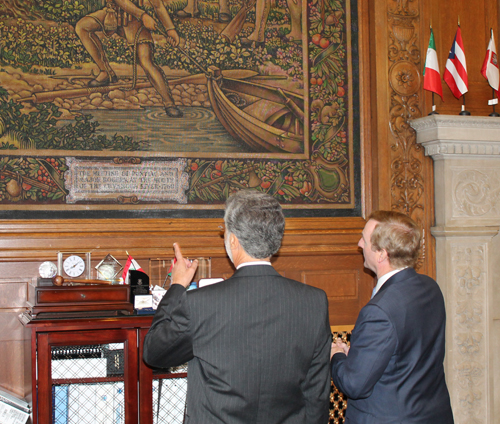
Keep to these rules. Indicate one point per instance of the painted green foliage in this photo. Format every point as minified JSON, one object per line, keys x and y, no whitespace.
{"x":321,"y":179}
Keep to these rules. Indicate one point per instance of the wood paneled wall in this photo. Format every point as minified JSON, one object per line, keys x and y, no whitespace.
{"x":320,"y":252}
{"x":476,"y":19}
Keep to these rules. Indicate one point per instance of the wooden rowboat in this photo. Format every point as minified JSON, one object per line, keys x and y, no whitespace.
{"x":268,"y":119}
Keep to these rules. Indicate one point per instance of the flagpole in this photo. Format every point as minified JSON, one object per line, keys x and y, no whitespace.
{"x":493,"y":104}
{"x":464,"y":112}
{"x":490,"y":71}
{"x":433,"y":112}
{"x":432,"y":81}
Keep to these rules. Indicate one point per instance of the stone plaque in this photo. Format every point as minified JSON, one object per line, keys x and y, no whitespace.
{"x":148,"y":181}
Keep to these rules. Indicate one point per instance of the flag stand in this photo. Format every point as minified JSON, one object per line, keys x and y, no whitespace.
{"x":493,"y":104}
{"x":433,"y":107}
{"x":464,"y":112}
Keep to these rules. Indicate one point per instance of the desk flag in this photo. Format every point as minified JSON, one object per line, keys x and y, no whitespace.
{"x":490,"y":65}
{"x":131,"y":265}
{"x":455,"y":74}
{"x":432,"y":77}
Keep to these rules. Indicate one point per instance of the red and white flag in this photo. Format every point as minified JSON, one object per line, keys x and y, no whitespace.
{"x":455,"y":74}
{"x":432,"y":77}
{"x":490,"y":65}
{"x":131,"y":265}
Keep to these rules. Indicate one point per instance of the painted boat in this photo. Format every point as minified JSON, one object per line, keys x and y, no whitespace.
{"x":266,"y":118}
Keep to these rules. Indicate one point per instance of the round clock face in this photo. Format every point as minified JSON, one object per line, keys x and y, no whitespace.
{"x":74,"y":266}
{"x":47,"y":269}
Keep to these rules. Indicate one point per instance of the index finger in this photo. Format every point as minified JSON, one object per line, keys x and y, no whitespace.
{"x":178,"y":253}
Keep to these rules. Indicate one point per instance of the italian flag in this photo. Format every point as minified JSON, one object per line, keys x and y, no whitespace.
{"x":432,"y":77}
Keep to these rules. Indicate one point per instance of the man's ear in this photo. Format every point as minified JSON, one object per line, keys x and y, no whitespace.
{"x":234,"y":243}
{"x":382,"y":255}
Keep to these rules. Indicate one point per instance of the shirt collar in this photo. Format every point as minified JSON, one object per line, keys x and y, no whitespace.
{"x":253,"y":263}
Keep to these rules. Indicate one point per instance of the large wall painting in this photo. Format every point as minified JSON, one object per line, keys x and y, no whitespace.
{"x":156,"y":106}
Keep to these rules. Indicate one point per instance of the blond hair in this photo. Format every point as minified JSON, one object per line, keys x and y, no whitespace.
{"x":398,"y":235}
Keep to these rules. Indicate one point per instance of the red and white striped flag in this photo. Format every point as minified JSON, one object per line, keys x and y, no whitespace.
{"x":455,"y":74}
{"x":432,"y":77}
{"x":131,"y":265}
{"x":490,"y":65}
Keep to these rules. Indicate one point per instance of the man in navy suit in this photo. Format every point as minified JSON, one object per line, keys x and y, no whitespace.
{"x":258,"y":344}
{"x":393,"y":371}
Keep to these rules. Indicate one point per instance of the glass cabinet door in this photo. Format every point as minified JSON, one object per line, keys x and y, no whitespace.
{"x":162,"y":392}
{"x":88,"y":377}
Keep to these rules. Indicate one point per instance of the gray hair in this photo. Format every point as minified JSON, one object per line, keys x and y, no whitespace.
{"x":257,"y":220}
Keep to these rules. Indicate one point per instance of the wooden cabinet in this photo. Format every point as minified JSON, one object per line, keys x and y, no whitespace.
{"x":91,"y":371}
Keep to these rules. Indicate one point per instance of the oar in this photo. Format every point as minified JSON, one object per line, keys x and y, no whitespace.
{"x":49,"y":96}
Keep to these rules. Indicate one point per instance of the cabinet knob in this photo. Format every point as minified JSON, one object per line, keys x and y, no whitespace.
{"x":83,"y":296}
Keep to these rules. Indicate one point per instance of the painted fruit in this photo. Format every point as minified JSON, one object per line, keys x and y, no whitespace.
{"x":324,"y":43}
{"x":14,"y":188}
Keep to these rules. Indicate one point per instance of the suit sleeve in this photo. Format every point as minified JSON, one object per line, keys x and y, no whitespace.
{"x":169,"y":342}
{"x":316,"y":387}
{"x":373,"y":343}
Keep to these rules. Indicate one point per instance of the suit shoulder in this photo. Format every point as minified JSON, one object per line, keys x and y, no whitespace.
{"x":305,"y":289}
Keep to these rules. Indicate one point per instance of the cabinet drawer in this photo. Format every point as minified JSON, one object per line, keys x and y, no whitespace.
{"x":81,"y":294}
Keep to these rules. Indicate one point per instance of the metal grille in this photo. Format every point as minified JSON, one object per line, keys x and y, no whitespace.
{"x":87,"y":362}
{"x":88,"y":384}
{"x":91,"y":397}
{"x":338,"y":401}
{"x":89,"y":403}
{"x":169,"y":396}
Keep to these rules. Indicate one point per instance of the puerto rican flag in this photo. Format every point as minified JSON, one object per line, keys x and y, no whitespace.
{"x":455,"y":74}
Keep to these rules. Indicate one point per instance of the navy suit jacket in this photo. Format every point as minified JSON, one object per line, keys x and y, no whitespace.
{"x":394,"y":370}
{"x":258,"y":347}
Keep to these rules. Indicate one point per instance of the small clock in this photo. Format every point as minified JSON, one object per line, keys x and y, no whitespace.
{"x":109,"y":268}
{"x":75,"y":265}
{"x":47,"y":269}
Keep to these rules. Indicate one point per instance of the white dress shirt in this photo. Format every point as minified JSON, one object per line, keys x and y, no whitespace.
{"x":253,"y":263}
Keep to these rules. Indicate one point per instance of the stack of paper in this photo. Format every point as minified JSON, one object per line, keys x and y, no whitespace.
{"x":12,"y":409}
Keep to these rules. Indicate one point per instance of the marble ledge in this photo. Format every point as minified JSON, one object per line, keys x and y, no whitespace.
{"x":443,"y":135}
{"x":465,"y":231}
{"x":455,"y":122}
{"x":461,"y":148}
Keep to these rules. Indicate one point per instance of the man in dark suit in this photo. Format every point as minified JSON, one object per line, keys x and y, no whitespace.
{"x":393,"y":371}
{"x":257,"y":344}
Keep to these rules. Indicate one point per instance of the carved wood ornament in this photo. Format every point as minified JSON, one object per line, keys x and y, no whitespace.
{"x":407,"y":181}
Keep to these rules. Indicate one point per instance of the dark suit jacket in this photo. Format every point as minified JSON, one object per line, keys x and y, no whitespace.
{"x":394,"y":370}
{"x":257,"y":344}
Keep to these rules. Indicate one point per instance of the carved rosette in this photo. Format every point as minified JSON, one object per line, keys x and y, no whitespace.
{"x":468,"y":315}
{"x":407,"y":184}
{"x":476,"y":193}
